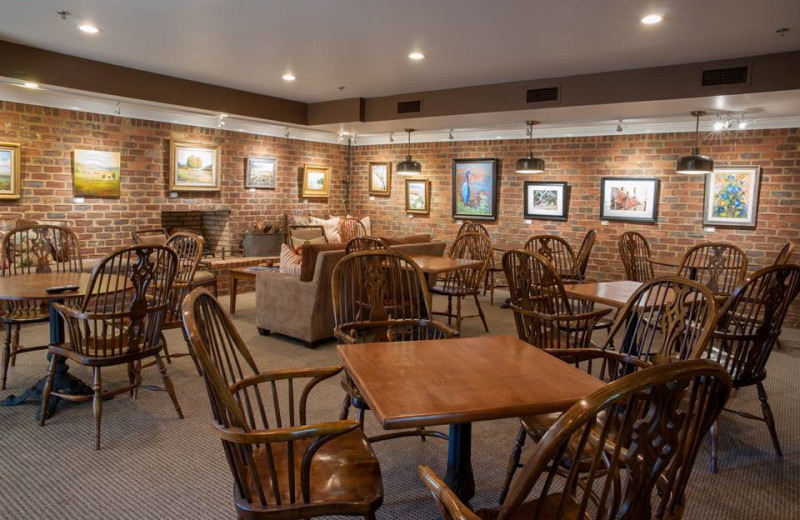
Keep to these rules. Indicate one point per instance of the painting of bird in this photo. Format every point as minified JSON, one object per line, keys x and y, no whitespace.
{"x":465,"y":189}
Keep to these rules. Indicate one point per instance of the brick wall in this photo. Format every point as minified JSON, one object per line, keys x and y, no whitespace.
{"x":49,"y":135}
{"x":582,"y":162}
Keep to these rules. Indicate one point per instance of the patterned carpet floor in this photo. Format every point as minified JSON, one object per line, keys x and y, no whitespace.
{"x":155,"y":466}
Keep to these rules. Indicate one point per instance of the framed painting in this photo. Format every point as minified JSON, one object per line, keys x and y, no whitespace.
{"x":260,"y":173}
{"x":475,"y":189}
{"x":10,"y":187}
{"x":418,"y":196}
{"x":380,"y":179}
{"x":95,"y":173}
{"x":629,"y":199}
{"x":731,"y":197}
{"x":194,"y":167}
{"x":546,"y":200}
{"x":316,"y":181}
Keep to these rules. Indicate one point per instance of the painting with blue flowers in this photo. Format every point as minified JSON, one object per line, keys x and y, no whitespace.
{"x":731,"y":198}
{"x":475,"y":189}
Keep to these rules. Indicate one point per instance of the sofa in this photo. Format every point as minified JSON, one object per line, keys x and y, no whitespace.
{"x":302,"y":307}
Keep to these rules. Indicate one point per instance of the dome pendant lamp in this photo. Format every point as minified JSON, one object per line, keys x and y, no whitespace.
{"x":530,"y":164}
{"x":696,"y":164}
{"x":409,"y":166}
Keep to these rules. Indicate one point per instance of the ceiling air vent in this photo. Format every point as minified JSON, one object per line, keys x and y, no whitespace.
{"x":542,"y":95}
{"x":409,"y":107}
{"x":726,"y":76}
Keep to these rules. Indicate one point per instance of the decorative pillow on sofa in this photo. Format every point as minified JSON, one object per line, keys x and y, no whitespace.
{"x":331,"y":227}
{"x":366,"y":222}
{"x":300,"y":242}
{"x":290,"y":261}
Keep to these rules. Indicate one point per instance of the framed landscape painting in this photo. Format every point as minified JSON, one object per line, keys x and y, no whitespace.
{"x":316,"y":181}
{"x":629,"y":199}
{"x":9,"y":171}
{"x":380,"y":179}
{"x":95,"y":173}
{"x":731,"y":196}
{"x":194,"y":167}
{"x":261,"y":173}
{"x":475,"y":189}
{"x":418,"y":196}
{"x":546,"y":200}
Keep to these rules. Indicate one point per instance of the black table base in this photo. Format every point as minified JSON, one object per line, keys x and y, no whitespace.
{"x":459,"y":462}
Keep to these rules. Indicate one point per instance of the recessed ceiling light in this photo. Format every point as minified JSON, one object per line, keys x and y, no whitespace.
{"x":719,"y":125}
{"x":88,"y":28}
{"x":416,"y":56}
{"x":30,"y":84}
{"x":289,"y":77}
{"x":345,"y":132}
{"x":652,"y":19}
{"x":223,"y":115}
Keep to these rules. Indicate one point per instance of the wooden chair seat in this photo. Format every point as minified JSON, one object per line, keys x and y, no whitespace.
{"x":92,"y":351}
{"x":355,"y":493}
{"x":203,"y":278}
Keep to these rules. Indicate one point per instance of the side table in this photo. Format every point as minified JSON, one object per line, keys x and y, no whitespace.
{"x":245,"y":274}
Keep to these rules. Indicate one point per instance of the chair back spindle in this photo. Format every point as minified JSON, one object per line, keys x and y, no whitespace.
{"x":634,"y":251}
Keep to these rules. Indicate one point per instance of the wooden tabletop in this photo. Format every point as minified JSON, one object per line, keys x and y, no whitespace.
{"x":614,"y":294}
{"x":33,"y":286}
{"x":432,"y":264}
{"x":506,"y":246}
{"x":423,"y":383}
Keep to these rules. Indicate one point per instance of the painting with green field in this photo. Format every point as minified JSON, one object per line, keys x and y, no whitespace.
{"x":6,"y":166}
{"x":96,"y":174}
{"x":194,"y":167}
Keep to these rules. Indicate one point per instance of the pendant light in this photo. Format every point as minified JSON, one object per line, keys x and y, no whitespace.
{"x":530,"y":164}
{"x":409,"y":166}
{"x":696,"y":164}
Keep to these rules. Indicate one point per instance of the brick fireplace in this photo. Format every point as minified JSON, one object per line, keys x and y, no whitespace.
{"x":213,"y":226}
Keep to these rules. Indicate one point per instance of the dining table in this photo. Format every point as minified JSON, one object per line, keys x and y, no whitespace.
{"x":614,"y":294}
{"x":459,"y":381}
{"x":436,"y":265}
{"x":34,"y":287}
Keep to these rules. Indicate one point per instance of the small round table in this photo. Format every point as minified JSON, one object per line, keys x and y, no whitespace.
{"x":27,"y":287}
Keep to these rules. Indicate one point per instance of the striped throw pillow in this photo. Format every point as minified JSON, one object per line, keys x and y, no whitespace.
{"x":290,"y":261}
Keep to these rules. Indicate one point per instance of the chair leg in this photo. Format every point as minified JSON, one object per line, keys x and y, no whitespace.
{"x":168,"y":384}
{"x":14,"y":343}
{"x":449,"y":310}
{"x":48,"y":387}
{"x":768,"y":418}
{"x":132,"y":378}
{"x":513,"y":462}
{"x":714,"y":446}
{"x":458,"y":313}
{"x":369,"y":516}
{"x":165,"y":348}
{"x":345,"y":408}
{"x":97,"y":405}
{"x":6,"y":355}
{"x":480,"y":312}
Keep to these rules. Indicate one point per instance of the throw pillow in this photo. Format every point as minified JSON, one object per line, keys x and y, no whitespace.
{"x":331,"y":227}
{"x":366,"y":222}
{"x":290,"y":261}
{"x":298,"y":243}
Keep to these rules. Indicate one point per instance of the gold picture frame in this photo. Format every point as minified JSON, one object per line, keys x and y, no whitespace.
{"x":316,"y":181}
{"x":418,"y":196}
{"x":380,"y":179}
{"x":10,"y":185}
{"x":194,"y":166}
{"x":96,"y":173}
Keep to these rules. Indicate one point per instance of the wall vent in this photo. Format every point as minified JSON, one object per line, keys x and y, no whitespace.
{"x":409,"y":107}
{"x":726,"y":76}
{"x":542,"y":95}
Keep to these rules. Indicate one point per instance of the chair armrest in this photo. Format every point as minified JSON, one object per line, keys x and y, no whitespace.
{"x":319,"y":374}
{"x":586,"y":354}
{"x":295,"y":433}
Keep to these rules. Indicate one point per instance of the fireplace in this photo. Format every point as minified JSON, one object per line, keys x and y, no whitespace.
{"x":213,"y":226}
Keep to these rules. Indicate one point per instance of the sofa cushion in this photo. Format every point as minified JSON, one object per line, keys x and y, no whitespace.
{"x":309,"y":258}
{"x":411,"y":239}
{"x":290,"y":261}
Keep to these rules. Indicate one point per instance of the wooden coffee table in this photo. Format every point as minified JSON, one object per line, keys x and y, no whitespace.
{"x":458,"y":381}
{"x":246,"y":274}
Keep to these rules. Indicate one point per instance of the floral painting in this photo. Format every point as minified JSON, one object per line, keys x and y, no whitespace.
{"x":629,"y":199}
{"x":380,"y":179}
{"x":731,"y":196}
{"x":546,"y":200}
{"x":194,"y":167}
{"x":418,"y":196}
{"x":95,"y":174}
{"x":475,"y":189}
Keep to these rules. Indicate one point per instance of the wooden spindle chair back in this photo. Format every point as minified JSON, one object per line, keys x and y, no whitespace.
{"x":261,"y":418}
{"x":637,"y":438}
{"x":543,"y":313}
{"x":472,"y":227}
{"x":666,"y":319}
{"x":189,"y":249}
{"x":634,"y":251}
{"x":720,"y":267}
{"x":154,"y":236}
{"x":468,"y":246}
{"x":351,"y":228}
{"x":582,"y":258}
{"x":785,"y":254}
{"x":557,"y":251}
{"x":365,"y":244}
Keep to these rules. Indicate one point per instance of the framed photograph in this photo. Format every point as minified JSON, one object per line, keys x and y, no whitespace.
{"x":261,"y":173}
{"x":546,"y":200}
{"x":95,"y":173}
{"x":630,"y":199}
{"x":380,"y":179}
{"x":731,"y":197}
{"x":418,"y":196}
{"x":194,"y":167}
{"x":10,"y":187}
{"x":316,"y":181}
{"x":475,"y":189}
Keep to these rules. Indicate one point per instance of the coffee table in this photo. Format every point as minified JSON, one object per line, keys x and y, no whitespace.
{"x":459,"y":381}
{"x":245,"y":274}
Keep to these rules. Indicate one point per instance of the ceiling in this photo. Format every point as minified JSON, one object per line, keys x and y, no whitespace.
{"x":363,"y":44}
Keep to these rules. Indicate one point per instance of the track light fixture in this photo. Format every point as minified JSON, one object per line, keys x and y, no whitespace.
{"x":695,"y":164}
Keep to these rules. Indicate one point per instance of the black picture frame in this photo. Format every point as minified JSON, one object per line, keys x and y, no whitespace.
{"x":478,"y":204}
{"x":533,"y":208}
{"x":619,"y":199}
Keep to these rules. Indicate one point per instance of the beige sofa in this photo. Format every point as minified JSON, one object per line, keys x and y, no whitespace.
{"x":304,"y":309}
